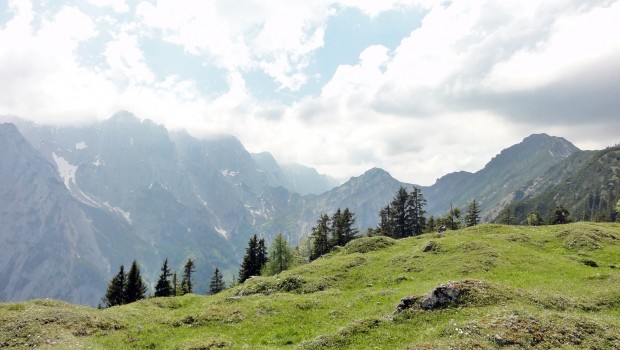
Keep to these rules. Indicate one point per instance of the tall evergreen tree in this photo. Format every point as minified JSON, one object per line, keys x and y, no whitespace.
{"x":248,"y":265}
{"x":560,"y":216}
{"x":163,"y":287}
{"x":401,"y":224}
{"x":186,"y":282}
{"x":261,"y":255}
{"x":217,"y":282}
{"x":115,"y":294}
{"x":135,"y":288}
{"x":281,"y":256}
{"x":385,"y":222}
{"x":472,"y":217}
{"x":320,"y":237}
{"x":175,"y":284}
{"x":349,"y":232}
{"x":415,"y":219}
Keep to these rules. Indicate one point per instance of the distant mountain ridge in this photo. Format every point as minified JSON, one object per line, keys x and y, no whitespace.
{"x":134,"y":190}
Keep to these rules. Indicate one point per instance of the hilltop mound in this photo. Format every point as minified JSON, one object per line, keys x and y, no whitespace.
{"x":485,"y":287}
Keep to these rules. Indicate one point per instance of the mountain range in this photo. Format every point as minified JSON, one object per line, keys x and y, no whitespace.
{"x":77,"y":202}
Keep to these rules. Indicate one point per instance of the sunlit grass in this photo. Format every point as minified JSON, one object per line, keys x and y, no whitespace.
{"x":560,"y":282}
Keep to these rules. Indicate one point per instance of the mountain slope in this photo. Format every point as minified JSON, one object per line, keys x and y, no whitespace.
{"x":587,"y":184}
{"x":51,"y":243}
{"x":484,"y":287}
{"x":507,"y":172}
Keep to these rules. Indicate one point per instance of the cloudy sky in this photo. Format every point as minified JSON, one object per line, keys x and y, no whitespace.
{"x":419,"y":88}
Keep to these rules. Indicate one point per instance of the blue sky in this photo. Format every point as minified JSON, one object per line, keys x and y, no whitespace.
{"x":420,"y":88}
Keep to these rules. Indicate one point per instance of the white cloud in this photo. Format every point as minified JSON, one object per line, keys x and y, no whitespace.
{"x":577,"y":40}
{"x":118,"y":5}
{"x":462,"y":78}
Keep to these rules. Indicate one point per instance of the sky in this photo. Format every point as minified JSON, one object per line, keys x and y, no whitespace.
{"x":419,"y":88}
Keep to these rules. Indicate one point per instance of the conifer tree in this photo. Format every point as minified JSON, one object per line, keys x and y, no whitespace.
{"x":415,"y":219}
{"x":261,"y":256}
{"x":385,"y":224}
{"x":250,"y":265}
{"x":175,"y":284}
{"x":163,"y":287}
{"x":115,"y":293}
{"x":320,"y":237}
{"x":186,"y":282}
{"x":400,"y":221}
{"x":472,"y":217}
{"x":217,"y":282}
{"x":135,"y":288}
{"x":281,"y":256}
{"x":349,"y":232}
{"x":560,"y":216}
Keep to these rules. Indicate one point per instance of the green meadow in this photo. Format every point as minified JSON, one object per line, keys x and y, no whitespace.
{"x":546,"y":287}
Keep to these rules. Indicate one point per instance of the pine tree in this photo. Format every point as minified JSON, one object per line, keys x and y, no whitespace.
{"x":320,"y":237}
{"x":281,"y":256}
{"x":163,"y":287}
{"x":115,"y":293}
{"x":560,"y":216}
{"x":135,"y":288}
{"x":415,"y":219}
{"x":249,"y":265}
{"x":401,"y":224}
{"x":472,"y":217}
{"x":175,"y":284}
{"x":385,"y":224}
{"x":217,"y":282}
{"x":186,"y":282}
{"x":261,"y":256}
{"x":349,"y":233}
{"x":337,"y":229}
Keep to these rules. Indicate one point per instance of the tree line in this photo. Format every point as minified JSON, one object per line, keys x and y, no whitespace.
{"x":125,"y":288}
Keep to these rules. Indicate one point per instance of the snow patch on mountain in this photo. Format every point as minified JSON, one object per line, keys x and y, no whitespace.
{"x":66,"y":170}
{"x":230,"y":173}
{"x":221,"y":231}
{"x":81,"y":145}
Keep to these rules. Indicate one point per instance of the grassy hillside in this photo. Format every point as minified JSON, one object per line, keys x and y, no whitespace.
{"x":513,"y":287}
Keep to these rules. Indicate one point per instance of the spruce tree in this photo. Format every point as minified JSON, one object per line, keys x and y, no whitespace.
{"x":385,"y":224}
{"x":135,"y":288}
{"x":249,"y":265}
{"x":415,"y":219}
{"x":186,"y":282}
{"x":320,"y":237}
{"x":560,"y":216}
{"x":472,"y":217}
{"x":115,"y":293}
{"x":217,"y":282}
{"x":348,"y":231}
{"x":163,"y":287}
{"x":261,"y":256}
{"x":175,"y":284}
{"x":401,"y":224}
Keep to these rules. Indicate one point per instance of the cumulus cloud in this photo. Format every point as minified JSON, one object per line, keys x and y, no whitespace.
{"x":473,"y":78}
